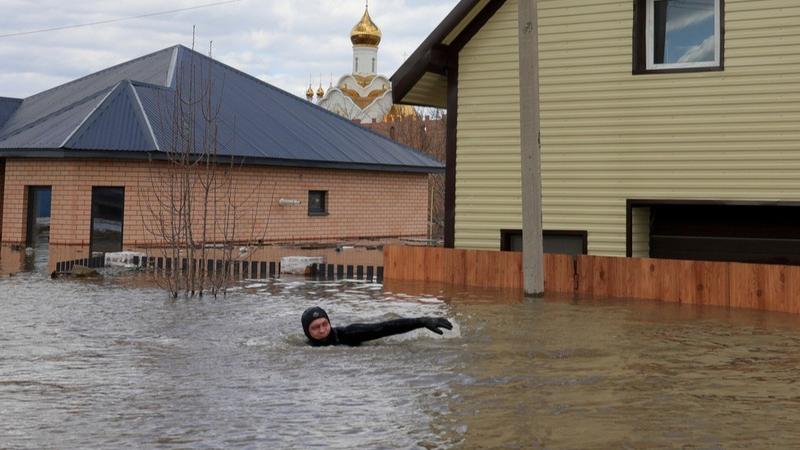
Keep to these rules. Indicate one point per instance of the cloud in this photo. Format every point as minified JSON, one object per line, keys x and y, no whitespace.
{"x":279,"y":41}
{"x":683,"y":14}
{"x":701,"y":52}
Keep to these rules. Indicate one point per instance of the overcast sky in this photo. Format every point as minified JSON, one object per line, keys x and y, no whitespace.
{"x":279,"y":41}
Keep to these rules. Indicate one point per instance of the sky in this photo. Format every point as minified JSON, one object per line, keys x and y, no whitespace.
{"x":279,"y":41}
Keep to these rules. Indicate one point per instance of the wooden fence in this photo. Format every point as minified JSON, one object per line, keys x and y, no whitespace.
{"x":752,"y":286}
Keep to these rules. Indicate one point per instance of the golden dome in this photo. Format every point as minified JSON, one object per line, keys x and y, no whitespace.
{"x":400,"y":112}
{"x":310,"y":92}
{"x":366,"y":32}
{"x":320,"y":92}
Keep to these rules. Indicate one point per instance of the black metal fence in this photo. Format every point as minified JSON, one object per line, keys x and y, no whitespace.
{"x":96,"y":262}
{"x":348,"y":272}
{"x":239,"y":269}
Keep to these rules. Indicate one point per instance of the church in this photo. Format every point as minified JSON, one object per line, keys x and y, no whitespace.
{"x":363,"y":95}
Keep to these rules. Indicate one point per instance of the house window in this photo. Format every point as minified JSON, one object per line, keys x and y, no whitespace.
{"x":566,"y":242}
{"x":108,"y":214}
{"x":678,"y":35}
{"x":317,"y":203}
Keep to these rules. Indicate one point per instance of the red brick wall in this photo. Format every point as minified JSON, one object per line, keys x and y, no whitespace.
{"x":360,"y":204}
{"x":2,"y":185}
{"x":430,"y":137}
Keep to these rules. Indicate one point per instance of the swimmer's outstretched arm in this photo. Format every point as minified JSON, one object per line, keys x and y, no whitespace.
{"x":361,"y":332}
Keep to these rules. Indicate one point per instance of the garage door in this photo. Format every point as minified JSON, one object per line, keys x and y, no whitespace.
{"x":752,"y":233}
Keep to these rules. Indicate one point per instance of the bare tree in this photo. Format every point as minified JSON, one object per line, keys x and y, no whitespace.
{"x":192,"y":208}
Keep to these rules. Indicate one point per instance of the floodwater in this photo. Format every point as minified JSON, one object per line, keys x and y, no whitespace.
{"x":107,"y":364}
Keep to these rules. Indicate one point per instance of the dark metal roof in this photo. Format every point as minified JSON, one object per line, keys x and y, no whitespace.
{"x":128,"y":111}
{"x":7,"y":107}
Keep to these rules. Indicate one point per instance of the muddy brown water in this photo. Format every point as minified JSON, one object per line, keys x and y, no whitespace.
{"x":113,"y":364}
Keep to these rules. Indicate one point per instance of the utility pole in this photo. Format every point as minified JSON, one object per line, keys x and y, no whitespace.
{"x":530,"y":149}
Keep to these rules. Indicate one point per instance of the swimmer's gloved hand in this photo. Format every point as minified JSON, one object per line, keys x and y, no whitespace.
{"x":434,"y":323}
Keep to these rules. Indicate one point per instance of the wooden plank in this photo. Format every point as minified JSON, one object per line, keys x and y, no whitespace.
{"x":559,"y":273}
{"x":645,"y":279}
{"x":744,"y":286}
{"x":712,"y":283}
{"x":390,"y":262}
{"x":600,"y":276}
{"x":620,"y":279}
{"x":774,"y":283}
{"x":667,"y":281}
{"x":584,"y":273}
{"x":792,"y":301}
{"x":455,"y":267}
{"x":512,"y":268}
{"x":434,"y":265}
{"x":687,"y":285}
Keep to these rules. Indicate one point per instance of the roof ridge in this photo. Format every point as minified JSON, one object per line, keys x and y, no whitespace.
{"x":298,"y":99}
{"x":11,"y":99}
{"x":29,"y":125}
{"x":142,"y":115}
{"x":123,"y":88}
{"x":91,"y":118}
{"x":107,"y":69}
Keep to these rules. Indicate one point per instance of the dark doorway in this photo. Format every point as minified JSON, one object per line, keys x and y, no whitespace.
{"x":38,"y":221}
{"x":38,"y":217}
{"x":108,"y":210}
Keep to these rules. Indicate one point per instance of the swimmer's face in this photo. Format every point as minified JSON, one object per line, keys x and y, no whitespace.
{"x":319,"y":329}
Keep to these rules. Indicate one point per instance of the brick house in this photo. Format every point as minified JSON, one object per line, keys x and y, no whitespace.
{"x":83,"y":160}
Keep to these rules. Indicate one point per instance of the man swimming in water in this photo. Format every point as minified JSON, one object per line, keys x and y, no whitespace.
{"x":319,"y":332}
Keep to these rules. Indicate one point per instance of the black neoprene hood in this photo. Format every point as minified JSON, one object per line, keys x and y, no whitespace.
{"x":310,"y":315}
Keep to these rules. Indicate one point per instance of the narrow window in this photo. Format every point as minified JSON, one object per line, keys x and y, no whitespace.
{"x":566,"y":242}
{"x":511,"y":240}
{"x":373,"y":65}
{"x":317,"y":203}
{"x":355,"y":69}
{"x":678,"y":35}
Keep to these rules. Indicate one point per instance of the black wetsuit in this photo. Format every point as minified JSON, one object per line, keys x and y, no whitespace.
{"x":355,"y":334}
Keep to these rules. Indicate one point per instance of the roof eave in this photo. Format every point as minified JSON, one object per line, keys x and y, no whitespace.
{"x":137,"y":155}
{"x":423,"y":57}
{"x":438,"y":53}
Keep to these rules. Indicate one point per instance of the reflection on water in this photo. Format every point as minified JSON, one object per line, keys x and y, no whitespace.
{"x":106,"y":364}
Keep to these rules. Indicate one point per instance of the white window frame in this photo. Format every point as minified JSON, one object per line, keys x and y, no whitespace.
{"x":650,"y":39}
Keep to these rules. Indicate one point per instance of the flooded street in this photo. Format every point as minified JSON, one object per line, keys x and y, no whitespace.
{"x":110,"y":364}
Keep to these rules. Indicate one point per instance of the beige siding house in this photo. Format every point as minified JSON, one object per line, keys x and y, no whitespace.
{"x":669,"y":128}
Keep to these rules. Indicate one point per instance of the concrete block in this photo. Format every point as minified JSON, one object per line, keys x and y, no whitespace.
{"x":123,"y":259}
{"x":300,"y":265}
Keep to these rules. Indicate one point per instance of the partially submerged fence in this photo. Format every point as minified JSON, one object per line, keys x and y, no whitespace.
{"x":95,"y":262}
{"x":737,"y":285}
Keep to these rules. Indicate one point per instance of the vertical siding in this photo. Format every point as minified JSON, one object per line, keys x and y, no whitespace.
{"x":488,"y":186}
{"x":609,"y":135}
